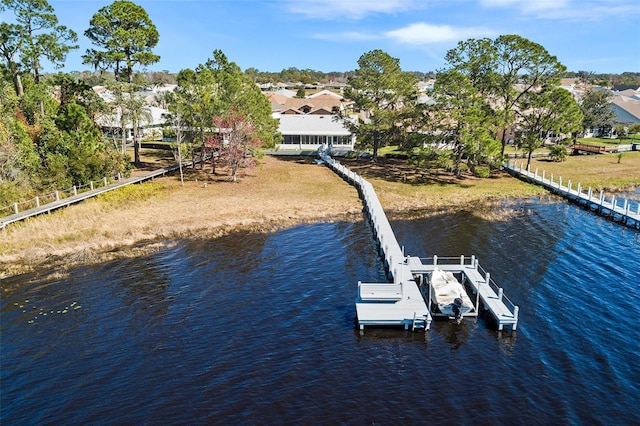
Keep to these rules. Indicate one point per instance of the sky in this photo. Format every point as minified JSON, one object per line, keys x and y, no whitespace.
{"x":600,"y":36}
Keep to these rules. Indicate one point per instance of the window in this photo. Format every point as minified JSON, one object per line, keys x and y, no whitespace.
{"x":291,"y":140}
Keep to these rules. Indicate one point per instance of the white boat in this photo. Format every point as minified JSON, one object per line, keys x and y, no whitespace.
{"x":449,"y":295}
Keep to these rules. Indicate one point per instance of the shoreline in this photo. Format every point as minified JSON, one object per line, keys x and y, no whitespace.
{"x":279,"y":194}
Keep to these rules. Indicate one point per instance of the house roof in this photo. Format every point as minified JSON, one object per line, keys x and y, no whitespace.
{"x":629,"y":108}
{"x":631,"y":93}
{"x":321,"y":102}
{"x":153,"y":116}
{"x":312,"y":125}
{"x":325,"y":94}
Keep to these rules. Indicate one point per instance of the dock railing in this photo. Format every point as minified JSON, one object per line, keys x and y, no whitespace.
{"x":496,"y":293}
{"x":393,"y":254}
{"x":402,"y":267}
{"x":628,"y":213}
{"x":39,"y":200}
{"x":513,"y":308}
{"x":77,"y":194}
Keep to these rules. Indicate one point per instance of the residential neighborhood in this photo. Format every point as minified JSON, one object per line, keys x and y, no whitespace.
{"x":313,"y":121}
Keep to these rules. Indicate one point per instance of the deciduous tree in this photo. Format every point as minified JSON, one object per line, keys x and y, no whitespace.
{"x":236,"y":141}
{"x":214,"y":89}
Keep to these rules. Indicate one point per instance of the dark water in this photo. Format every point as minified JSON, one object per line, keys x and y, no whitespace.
{"x":259,"y":329}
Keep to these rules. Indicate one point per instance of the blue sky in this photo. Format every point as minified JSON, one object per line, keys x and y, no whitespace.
{"x":330,"y":35}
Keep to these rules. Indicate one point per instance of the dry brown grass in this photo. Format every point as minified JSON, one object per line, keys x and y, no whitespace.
{"x":602,"y":172}
{"x":276,"y":195}
{"x":402,"y":189}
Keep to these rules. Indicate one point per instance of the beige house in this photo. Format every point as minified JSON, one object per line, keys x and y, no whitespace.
{"x":309,"y":123}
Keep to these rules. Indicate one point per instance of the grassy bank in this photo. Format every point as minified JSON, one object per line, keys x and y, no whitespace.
{"x":278,"y":194}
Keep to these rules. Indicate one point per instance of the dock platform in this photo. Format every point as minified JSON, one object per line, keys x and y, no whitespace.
{"x":401,"y":302}
{"x":487,"y":291}
{"x":619,"y":210}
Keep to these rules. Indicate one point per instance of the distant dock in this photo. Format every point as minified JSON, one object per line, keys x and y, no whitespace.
{"x":402,"y":301}
{"x":61,"y":199}
{"x":621,"y":211}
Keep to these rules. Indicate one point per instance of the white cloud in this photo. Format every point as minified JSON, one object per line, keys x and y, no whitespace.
{"x":349,"y":9}
{"x":526,"y":5}
{"x":422,"y":33}
{"x":568,"y":10}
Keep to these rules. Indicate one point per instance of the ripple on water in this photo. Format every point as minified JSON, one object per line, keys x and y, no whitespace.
{"x":255,"y":328}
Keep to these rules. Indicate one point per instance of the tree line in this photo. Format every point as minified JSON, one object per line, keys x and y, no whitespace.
{"x":49,"y":136}
{"x":489,"y":93}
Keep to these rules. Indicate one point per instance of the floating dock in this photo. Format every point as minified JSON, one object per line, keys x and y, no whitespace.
{"x":626,"y":213}
{"x":401,"y":302}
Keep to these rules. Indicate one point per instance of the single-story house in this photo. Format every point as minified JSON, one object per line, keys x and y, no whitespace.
{"x":308,"y":132}
{"x":152,"y":121}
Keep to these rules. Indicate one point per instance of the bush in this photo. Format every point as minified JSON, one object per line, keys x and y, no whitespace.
{"x":558,"y":153}
{"x":482,"y":171}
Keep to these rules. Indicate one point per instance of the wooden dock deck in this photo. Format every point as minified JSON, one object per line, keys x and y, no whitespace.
{"x":81,"y":196}
{"x":401,"y":303}
{"x":587,"y":148}
{"x":621,"y":211}
{"x":493,"y":298}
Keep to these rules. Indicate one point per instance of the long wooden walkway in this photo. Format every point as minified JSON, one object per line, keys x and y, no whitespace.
{"x":621,"y":211}
{"x":76,"y":198}
{"x":401,"y":301}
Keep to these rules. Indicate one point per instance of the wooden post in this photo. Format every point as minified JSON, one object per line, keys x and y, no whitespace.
{"x":613,"y":203}
{"x":57,"y":196}
{"x":569,"y":186}
{"x":15,"y":208}
{"x":104,"y":179}
{"x":579,"y":189}
{"x":435,"y":259}
{"x":559,"y":182}
{"x":500,"y":293}
{"x":91,"y":185}
{"x":75,"y":190}
{"x":535,"y":175}
{"x":462,"y":259}
{"x":37,"y":201}
{"x":544,"y":172}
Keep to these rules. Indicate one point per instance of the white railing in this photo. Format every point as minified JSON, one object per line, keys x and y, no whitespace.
{"x":628,"y":209}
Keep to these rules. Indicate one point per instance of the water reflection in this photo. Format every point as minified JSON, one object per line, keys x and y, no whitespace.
{"x":260,"y":329}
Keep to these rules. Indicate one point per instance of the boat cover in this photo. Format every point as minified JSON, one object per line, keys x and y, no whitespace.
{"x":445,"y":289}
